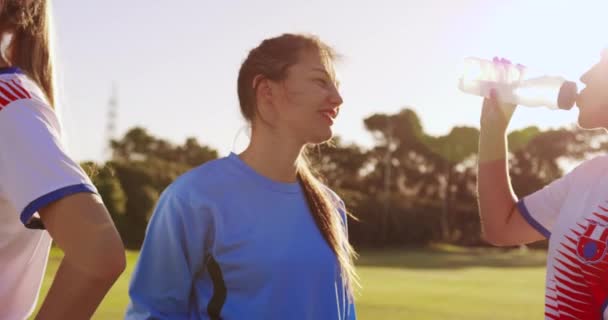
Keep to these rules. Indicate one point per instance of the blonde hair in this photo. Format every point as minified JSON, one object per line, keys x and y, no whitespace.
{"x":29,"y":23}
{"x":271,"y":59}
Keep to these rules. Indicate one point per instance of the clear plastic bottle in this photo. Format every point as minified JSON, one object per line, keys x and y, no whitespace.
{"x":513,"y":84}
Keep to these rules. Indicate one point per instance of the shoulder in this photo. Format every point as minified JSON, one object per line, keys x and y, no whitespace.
{"x":201,"y":184}
{"x":18,"y":88}
{"x":22,"y":104}
{"x":197,"y":195}
{"x":592,"y":168}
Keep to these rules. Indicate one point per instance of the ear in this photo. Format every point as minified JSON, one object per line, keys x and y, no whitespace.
{"x":264,"y":95}
{"x":262,"y":88}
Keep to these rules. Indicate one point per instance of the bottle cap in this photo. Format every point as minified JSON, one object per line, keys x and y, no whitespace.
{"x":567,"y":95}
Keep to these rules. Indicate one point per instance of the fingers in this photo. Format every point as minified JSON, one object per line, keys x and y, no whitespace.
{"x":501,"y":60}
{"x":493,"y":95}
{"x":491,"y":101}
{"x":496,"y":114}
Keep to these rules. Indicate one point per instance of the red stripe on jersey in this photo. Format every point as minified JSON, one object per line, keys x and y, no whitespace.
{"x":562,"y":291}
{"x":574,"y":305}
{"x":574,"y":288}
{"x":572,"y":240}
{"x":7,"y":94}
{"x":15,"y":90}
{"x":570,"y":275}
{"x":601,"y":216}
{"x":580,"y":284}
{"x":10,"y":96}
{"x":20,"y":87}
{"x":568,"y":266}
{"x":12,"y":91}
{"x":551,"y":316}
{"x":551,"y":307}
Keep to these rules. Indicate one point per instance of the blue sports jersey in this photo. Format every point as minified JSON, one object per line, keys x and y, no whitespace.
{"x":227,"y":243}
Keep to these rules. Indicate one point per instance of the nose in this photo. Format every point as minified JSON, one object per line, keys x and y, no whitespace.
{"x":590,"y":73}
{"x":335,"y":98}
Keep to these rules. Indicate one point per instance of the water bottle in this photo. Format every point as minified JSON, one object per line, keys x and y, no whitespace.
{"x":515,"y":84}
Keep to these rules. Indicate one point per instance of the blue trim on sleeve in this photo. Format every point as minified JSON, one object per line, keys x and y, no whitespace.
{"x":51,"y":197}
{"x":535,"y":224}
{"x":10,"y":70}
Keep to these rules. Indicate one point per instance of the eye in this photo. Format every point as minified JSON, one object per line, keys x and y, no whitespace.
{"x":322,"y":82}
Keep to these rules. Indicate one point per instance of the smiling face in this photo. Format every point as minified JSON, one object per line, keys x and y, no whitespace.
{"x":593,"y":99}
{"x":307,"y":101}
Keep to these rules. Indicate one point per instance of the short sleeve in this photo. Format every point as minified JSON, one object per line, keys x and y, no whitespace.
{"x":542,"y":208}
{"x":175,"y":249}
{"x":35,"y":169}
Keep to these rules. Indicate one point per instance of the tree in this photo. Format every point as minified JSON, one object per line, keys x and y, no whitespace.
{"x":145,"y":165}
{"x":106,"y":181}
{"x":452,"y":149}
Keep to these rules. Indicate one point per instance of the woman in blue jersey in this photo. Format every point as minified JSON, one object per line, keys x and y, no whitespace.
{"x":44,"y":194}
{"x":256,"y":235}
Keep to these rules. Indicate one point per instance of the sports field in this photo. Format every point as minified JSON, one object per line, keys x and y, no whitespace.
{"x":435,"y":283}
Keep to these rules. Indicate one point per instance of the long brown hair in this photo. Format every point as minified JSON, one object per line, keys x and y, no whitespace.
{"x":271,"y":59}
{"x":29,"y":22}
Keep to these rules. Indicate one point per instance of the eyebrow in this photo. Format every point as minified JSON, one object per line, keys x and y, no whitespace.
{"x":336,"y":81}
{"x":320,"y":70}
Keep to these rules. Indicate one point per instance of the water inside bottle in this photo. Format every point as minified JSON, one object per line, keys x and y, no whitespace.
{"x":514,"y":83}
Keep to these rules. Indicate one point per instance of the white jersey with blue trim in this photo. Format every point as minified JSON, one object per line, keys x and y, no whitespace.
{"x":573,"y":213}
{"x":35,"y":170}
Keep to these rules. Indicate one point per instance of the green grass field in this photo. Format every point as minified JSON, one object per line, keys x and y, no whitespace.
{"x":437,"y":283}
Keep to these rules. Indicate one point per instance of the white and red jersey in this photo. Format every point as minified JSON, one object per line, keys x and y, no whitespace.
{"x":35,"y":171}
{"x":573,"y":213}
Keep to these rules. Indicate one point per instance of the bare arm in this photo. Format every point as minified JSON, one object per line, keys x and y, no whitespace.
{"x":502,"y":222}
{"x":94,"y":256}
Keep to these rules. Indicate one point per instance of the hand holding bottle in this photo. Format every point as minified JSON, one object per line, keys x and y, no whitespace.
{"x":515,"y":84}
{"x":497,"y":113}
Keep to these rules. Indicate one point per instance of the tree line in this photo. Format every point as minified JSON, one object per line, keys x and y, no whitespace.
{"x":409,"y":188}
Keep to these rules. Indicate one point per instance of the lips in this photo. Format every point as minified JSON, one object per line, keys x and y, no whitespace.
{"x":331,"y":113}
{"x":579,"y":98}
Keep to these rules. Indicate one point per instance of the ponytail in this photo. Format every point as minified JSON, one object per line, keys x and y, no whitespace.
{"x":329,"y":221}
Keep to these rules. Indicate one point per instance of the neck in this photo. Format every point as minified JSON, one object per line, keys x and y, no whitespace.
{"x":272,"y":156}
{"x":3,"y":63}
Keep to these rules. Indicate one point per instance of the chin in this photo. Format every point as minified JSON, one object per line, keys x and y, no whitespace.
{"x":323,"y":137}
{"x":583,"y":123}
{"x":589,"y":124}
{"x":592,"y":113}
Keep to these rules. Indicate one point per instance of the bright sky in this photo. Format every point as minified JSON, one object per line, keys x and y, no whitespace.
{"x":175,"y":63}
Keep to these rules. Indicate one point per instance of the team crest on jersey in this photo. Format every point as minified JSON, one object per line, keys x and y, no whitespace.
{"x":592,"y":244}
